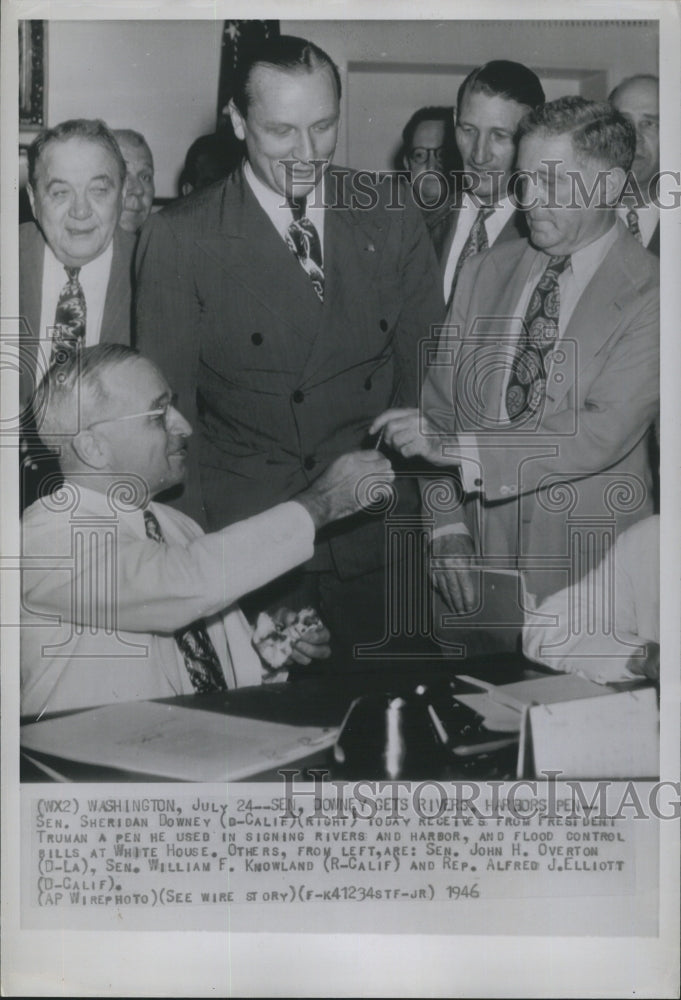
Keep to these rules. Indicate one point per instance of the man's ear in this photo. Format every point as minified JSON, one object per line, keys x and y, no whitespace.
{"x":238,"y":123}
{"x":91,"y":449}
{"x":614,"y":182}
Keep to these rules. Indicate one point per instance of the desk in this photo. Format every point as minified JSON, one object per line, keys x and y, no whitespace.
{"x":320,"y":696}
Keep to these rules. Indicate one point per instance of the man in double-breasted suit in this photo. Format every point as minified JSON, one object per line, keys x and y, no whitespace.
{"x":548,"y":373}
{"x":74,"y":251}
{"x":285,"y":328}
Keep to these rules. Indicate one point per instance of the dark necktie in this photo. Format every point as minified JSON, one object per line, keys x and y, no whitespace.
{"x":200,"y":658}
{"x":303,"y":240}
{"x":70,"y":316}
{"x":527,"y":383}
{"x":632,"y":223}
{"x":476,"y":241}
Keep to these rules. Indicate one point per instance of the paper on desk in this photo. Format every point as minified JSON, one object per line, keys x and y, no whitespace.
{"x":539,"y":690}
{"x":184,"y":744}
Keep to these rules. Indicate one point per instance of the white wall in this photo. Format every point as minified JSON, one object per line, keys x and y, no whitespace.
{"x":557,"y":51}
{"x":161,"y":77}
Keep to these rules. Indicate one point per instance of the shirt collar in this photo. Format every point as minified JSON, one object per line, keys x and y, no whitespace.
{"x":274,"y":204}
{"x":94,"y":269}
{"x":585,"y":262}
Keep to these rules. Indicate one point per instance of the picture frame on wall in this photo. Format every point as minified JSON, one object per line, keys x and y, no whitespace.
{"x":32,"y":75}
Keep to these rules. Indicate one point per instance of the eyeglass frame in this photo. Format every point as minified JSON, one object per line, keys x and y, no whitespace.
{"x":438,"y":150}
{"x":157,"y":412}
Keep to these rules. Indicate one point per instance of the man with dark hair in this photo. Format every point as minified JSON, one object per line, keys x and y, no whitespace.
{"x":428,"y":151}
{"x":548,"y":376}
{"x":209,"y":158}
{"x":638,"y":99}
{"x":288,"y":305}
{"x":124,"y":598}
{"x":75,"y":262}
{"x":490,"y":103}
{"x":139,"y":193}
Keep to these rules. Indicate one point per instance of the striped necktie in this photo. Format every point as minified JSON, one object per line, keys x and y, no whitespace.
{"x":200,"y":658}
{"x":303,"y":241}
{"x":70,"y":317}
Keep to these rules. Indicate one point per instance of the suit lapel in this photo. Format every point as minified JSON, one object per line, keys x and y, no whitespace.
{"x":247,"y":246}
{"x":116,"y":317}
{"x":31,"y":263}
{"x":501,"y":331}
{"x":597,"y":314}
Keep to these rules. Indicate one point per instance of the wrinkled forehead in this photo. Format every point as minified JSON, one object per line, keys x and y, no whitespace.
{"x":134,"y":384}
{"x":75,"y":159}
{"x":272,"y":88}
{"x":136,"y":152}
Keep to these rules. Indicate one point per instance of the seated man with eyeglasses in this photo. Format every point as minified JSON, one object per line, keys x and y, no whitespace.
{"x":124,"y":598}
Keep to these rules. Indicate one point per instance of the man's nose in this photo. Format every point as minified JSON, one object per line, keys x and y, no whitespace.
{"x":305,"y":149}
{"x":80,"y":206}
{"x":481,"y":149}
{"x":177,"y":424}
{"x":134,"y":186}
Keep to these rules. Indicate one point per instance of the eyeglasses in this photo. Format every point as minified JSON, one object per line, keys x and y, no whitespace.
{"x":161,"y":411}
{"x":419,"y":154}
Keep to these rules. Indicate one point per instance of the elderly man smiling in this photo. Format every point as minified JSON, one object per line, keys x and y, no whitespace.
{"x":75,"y":286}
{"x":127,"y":599}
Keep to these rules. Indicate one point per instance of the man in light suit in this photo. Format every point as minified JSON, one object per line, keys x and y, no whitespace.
{"x":284,"y":335}
{"x":547,"y":377}
{"x":490,"y":103}
{"x":124,"y":598}
{"x":76,"y":186}
{"x":638,"y":99}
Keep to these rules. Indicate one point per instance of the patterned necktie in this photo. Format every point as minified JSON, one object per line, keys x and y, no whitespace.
{"x":632,"y":223}
{"x":476,"y":241}
{"x":527,"y":382}
{"x":302,"y":239}
{"x":69,"y":317}
{"x":200,"y":658}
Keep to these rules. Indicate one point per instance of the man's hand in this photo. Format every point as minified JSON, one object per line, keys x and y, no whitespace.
{"x":409,"y":433}
{"x":457,"y":581}
{"x":314,"y":645}
{"x":336,"y":493}
{"x":648,"y":665}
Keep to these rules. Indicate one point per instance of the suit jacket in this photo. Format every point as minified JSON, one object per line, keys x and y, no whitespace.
{"x":126,"y":649}
{"x":116,"y":321}
{"x":116,"y":328}
{"x":583,"y":464}
{"x":276,"y":383}
{"x":442,"y":227}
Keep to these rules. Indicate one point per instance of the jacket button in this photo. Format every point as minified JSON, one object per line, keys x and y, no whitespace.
{"x":368,"y":383}
{"x":383,"y":325}
{"x":309,"y":462}
{"x":298,"y":396}
{"x":256,"y":338}
{"x":477,"y":482}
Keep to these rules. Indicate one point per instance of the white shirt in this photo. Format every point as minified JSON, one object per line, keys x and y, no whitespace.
{"x":648,"y":219}
{"x":279,"y":213}
{"x":466,"y":216}
{"x":101,"y":601}
{"x":564,"y":632}
{"x":94,"y":279}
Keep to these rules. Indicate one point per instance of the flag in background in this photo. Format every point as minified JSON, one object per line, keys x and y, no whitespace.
{"x":237,"y":37}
